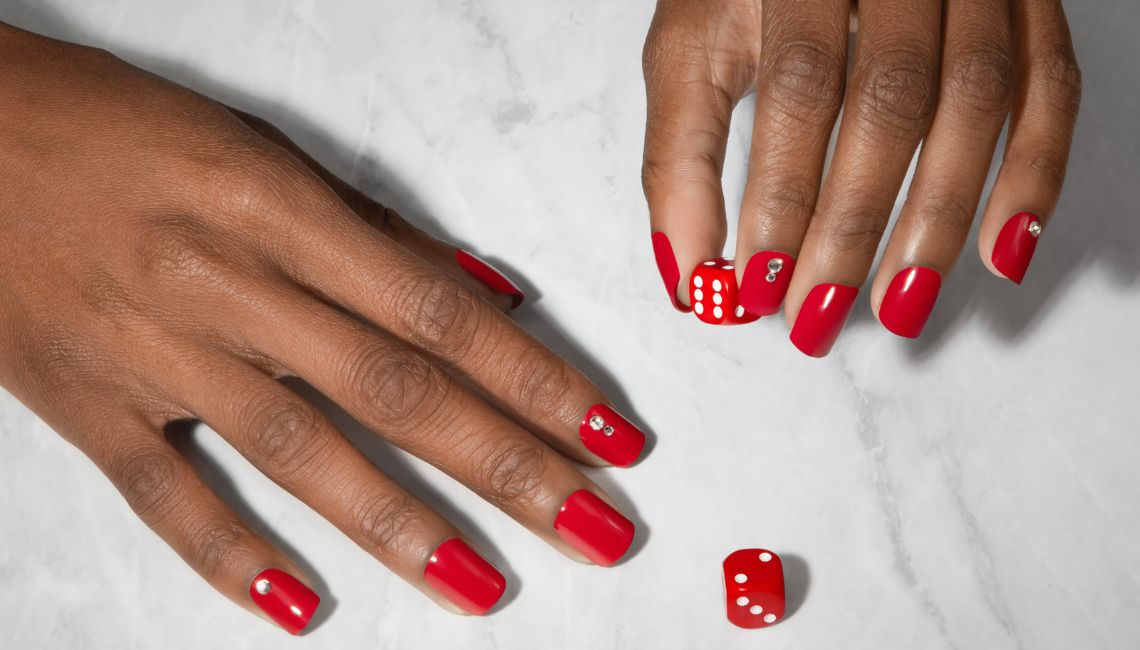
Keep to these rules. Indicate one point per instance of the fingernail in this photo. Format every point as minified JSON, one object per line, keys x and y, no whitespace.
{"x":490,"y":277}
{"x":667,"y":266}
{"x":610,"y":436}
{"x":464,"y":577}
{"x":1015,"y":244}
{"x":593,"y":528}
{"x":909,"y":300}
{"x":765,"y":281}
{"x":284,"y":599}
{"x":821,"y":318}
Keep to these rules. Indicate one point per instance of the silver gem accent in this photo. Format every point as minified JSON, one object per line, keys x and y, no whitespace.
{"x":597,"y":422}
{"x":262,"y":586}
{"x":609,"y":431}
{"x":771,"y":277}
{"x":1035,"y":228}
{"x":775,"y":264}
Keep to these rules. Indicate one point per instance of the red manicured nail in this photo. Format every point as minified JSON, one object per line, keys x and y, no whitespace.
{"x":283,"y":597}
{"x":765,"y":281}
{"x":909,"y":300}
{"x":464,"y":577}
{"x":593,"y":528}
{"x":821,"y":318}
{"x":667,"y":265}
{"x":491,"y":277}
{"x":611,"y":437}
{"x":1015,"y":244}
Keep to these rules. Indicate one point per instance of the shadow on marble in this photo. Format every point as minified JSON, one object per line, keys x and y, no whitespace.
{"x":797,"y":583}
{"x":184,"y":436}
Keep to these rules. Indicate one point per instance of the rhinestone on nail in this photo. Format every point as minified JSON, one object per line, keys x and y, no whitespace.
{"x":263,"y":587}
{"x":609,"y":431}
{"x":1035,"y":228}
{"x":771,"y":277}
{"x":775,"y":264}
{"x":597,"y":422}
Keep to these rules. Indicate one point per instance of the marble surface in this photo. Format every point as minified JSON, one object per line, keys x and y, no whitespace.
{"x":976,"y":489}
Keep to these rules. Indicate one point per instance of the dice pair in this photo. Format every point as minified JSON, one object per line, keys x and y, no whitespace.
{"x":754,"y":588}
{"x":714,"y":294}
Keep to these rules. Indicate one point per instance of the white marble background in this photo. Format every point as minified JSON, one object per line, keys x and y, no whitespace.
{"x":976,"y":489}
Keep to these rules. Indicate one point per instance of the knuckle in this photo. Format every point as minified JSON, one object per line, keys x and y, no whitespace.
{"x":807,"y":78}
{"x":541,"y":383}
{"x":896,"y":90}
{"x":982,"y":77}
{"x":512,"y":474}
{"x":388,"y":522}
{"x":215,"y":545}
{"x":1046,"y":165}
{"x":438,"y":313}
{"x":785,"y":200}
{"x":950,"y":211}
{"x":149,"y":481}
{"x":177,"y":248}
{"x":857,"y":232}
{"x":400,"y":389}
{"x":286,"y":434}
{"x":1058,"y":70}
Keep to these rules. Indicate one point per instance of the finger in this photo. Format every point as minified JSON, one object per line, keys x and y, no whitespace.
{"x":690,"y":98}
{"x":472,"y":271}
{"x":798,"y":98}
{"x":348,"y":264}
{"x":296,"y":446}
{"x":975,"y":93}
{"x":1040,"y":135}
{"x":165,"y":492}
{"x":410,"y":400}
{"x":888,"y":108}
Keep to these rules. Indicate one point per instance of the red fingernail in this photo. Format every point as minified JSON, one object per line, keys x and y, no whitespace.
{"x":491,"y":277}
{"x":1015,"y":244}
{"x":765,"y":281}
{"x":821,"y":318}
{"x":464,"y":577}
{"x":909,"y":300}
{"x":288,"y":602}
{"x":667,"y":265}
{"x":593,"y":528}
{"x":611,"y":437}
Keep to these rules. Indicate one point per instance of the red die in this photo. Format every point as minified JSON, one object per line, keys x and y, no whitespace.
{"x":713,"y":294}
{"x":754,"y":587}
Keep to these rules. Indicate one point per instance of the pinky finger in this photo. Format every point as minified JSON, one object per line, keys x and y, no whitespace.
{"x":167,"y":494}
{"x":1040,"y":135}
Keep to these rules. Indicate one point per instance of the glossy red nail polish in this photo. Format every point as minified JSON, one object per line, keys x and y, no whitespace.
{"x":288,"y":602}
{"x":1015,"y":244}
{"x":765,"y":281}
{"x":593,"y":528}
{"x":610,"y":436}
{"x":909,"y":300}
{"x":464,"y":577}
{"x":667,"y":266}
{"x":821,"y":318}
{"x":490,"y":277}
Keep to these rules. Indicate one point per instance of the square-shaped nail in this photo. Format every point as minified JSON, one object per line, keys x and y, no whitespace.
{"x":822,"y":317}
{"x":1013,"y":250}
{"x":909,"y":300}
{"x":464,"y":577}
{"x":593,"y":528}
{"x":765,"y":282}
{"x":610,"y":436}
{"x":284,"y":599}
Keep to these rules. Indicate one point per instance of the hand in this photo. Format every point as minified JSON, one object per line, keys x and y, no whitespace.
{"x":944,"y":74}
{"x":163,"y":258}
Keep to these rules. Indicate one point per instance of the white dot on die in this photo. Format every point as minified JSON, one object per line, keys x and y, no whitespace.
{"x":699,"y":308}
{"x":698,"y":281}
{"x":740,"y":578}
{"x":717,"y":299}
{"x":739,"y":311}
{"x":710,"y":263}
{"x":717,"y":285}
{"x":771,"y":618}
{"x":756,"y":610}
{"x":698,"y":294}
{"x":742,"y":601}
{"x":728,"y":267}
{"x":765,"y":557}
{"x":718,"y":312}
